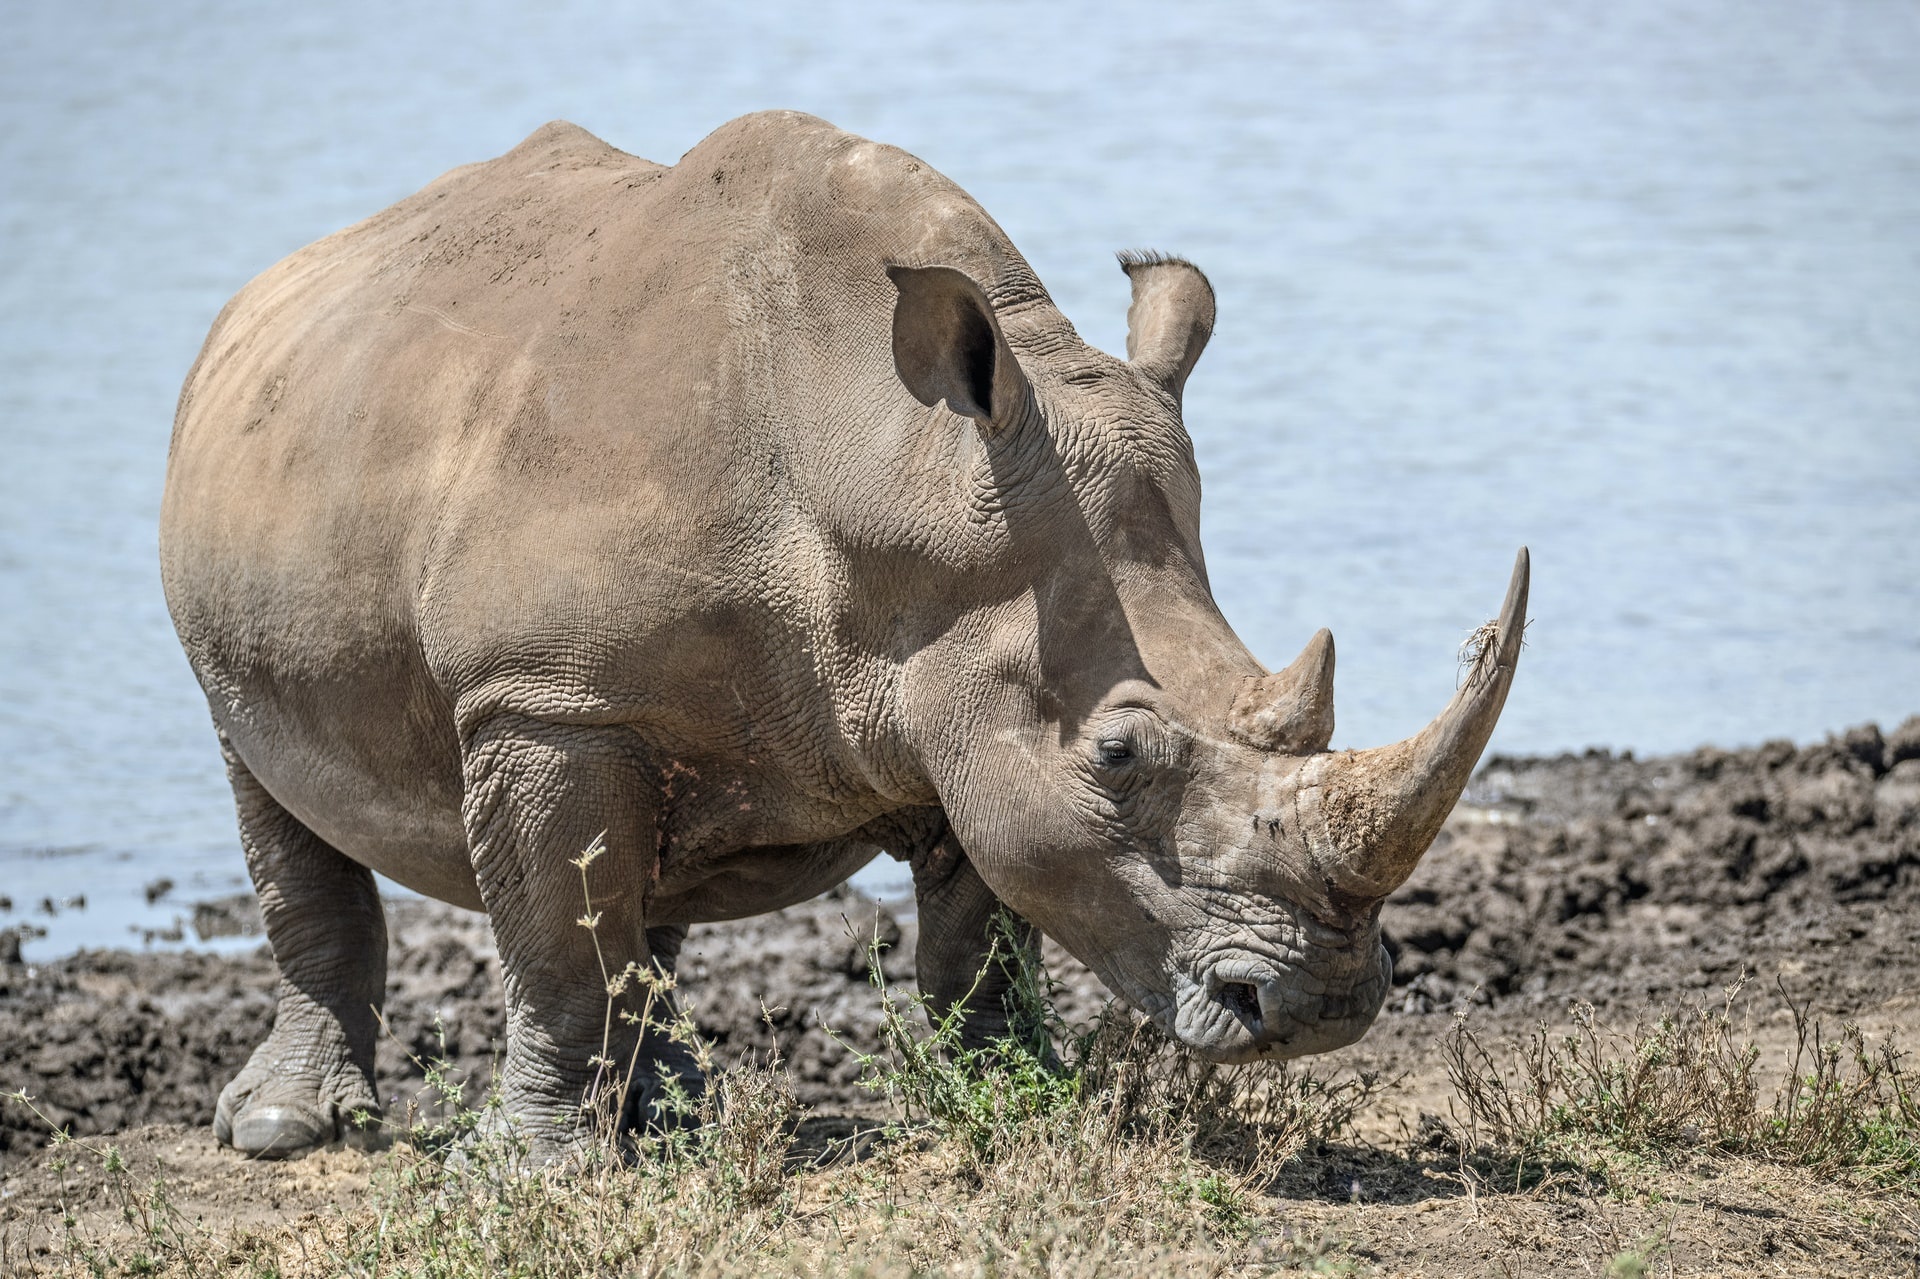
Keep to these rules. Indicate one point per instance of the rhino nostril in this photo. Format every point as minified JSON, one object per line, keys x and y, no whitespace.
{"x":1242,"y":1000}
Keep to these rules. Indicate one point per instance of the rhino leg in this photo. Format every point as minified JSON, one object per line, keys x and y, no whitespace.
{"x":964,"y":955}
{"x":306,"y":1084}
{"x":537,"y":794}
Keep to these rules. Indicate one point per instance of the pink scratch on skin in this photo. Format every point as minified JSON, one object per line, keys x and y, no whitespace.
{"x":670,"y":790}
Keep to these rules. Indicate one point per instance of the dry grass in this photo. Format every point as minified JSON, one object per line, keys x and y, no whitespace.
{"x":1071,"y":1150}
{"x":1063,"y":1175}
{"x":1078,"y":1150}
{"x":1126,"y":1157}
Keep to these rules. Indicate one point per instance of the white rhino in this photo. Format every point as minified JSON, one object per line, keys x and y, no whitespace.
{"x":763,"y":513}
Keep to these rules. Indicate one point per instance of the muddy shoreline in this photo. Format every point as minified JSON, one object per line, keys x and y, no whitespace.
{"x":1593,"y":877}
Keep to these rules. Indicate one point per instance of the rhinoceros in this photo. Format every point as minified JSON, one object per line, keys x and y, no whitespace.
{"x":761,"y":513}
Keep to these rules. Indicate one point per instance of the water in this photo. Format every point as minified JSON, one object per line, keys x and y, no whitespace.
{"x":1636,"y":284}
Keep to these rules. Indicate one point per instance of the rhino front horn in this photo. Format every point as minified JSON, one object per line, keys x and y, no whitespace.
{"x":1372,"y":814}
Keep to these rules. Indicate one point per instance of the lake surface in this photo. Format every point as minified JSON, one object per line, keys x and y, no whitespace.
{"x":1635,"y":284}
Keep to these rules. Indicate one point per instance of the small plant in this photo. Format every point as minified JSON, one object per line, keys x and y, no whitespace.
{"x":1847,"y":1107}
{"x":161,"y":1238}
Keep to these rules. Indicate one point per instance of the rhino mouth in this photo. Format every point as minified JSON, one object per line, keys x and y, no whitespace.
{"x":1243,"y":1008}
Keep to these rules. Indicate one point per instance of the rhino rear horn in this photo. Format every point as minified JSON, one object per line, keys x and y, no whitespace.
{"x":947,"y":345}
{"x":1170,"y":319}
{"x":1290,"y":711}
{"x":1373,"y":813}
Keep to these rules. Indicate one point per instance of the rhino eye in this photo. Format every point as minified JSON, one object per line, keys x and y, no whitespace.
{"x":1115,"y":751}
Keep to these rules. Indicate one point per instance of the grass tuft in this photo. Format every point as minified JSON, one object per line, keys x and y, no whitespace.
{"x":1683,"y":1084}
{"x":1086,"y":1090}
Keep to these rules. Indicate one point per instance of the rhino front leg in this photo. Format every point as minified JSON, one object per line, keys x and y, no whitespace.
{"x":303,"y":1086}
{"x":965,"y":953}
{"x":537,"y":795}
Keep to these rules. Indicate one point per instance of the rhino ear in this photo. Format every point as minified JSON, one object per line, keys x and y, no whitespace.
{"x":1171,"y":317}
{"x":947,"y":345}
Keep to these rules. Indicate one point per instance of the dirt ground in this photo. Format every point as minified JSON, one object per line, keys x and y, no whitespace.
{"x":1628,"y":884}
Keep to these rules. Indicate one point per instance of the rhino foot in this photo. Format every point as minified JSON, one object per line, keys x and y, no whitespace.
{"x":271,"y":1113}
{"x":274,"y":1132}
{"x":668,"y":1094}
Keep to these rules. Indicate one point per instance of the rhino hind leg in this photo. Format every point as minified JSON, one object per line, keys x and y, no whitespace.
{"x":537,"y":795}
{"x":311,"y":1081}
{"x":967,"y":953}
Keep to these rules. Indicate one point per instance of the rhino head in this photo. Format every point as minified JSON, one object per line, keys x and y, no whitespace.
{"x":1118,"y":767}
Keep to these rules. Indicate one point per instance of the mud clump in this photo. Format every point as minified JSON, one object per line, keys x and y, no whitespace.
{"x":1593,"y":877}
{"x":1603,"y":878}
{"x":106,"y":1040}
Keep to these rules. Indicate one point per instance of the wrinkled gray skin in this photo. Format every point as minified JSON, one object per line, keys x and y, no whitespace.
{"x":764,"y":513}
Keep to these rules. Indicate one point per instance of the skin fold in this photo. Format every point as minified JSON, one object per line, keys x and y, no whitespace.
{"x":760,"y":513}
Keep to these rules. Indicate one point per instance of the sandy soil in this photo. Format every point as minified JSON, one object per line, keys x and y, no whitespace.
{"x":1627,"y":884}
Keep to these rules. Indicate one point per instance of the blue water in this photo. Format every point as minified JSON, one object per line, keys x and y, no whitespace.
{"x":1636,"y":284}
